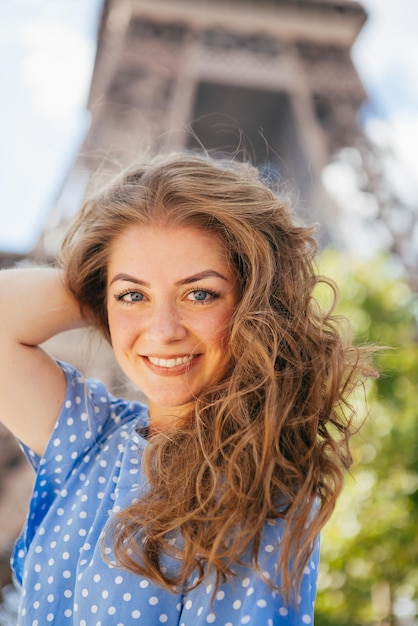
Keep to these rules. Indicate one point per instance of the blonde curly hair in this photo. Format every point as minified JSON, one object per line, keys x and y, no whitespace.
{"x":270,"y":441}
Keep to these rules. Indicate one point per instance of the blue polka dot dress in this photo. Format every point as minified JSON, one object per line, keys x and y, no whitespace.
{"x":90,"y":470}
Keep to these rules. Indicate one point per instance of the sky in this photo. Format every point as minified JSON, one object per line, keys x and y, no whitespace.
{"x":47,"y":52}
{"x":46,"y":58}
{"x":386,"y":58}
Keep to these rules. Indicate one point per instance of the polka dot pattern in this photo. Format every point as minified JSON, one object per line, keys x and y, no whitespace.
{"x":91,"y":469}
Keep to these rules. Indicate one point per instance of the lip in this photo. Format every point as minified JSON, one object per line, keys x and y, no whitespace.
{"x":175,"y":370}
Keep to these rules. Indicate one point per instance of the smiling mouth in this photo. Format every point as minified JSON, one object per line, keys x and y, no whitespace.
{"x":170,"y":363}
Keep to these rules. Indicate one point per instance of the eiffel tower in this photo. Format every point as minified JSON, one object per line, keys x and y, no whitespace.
{"x":272,"y":81}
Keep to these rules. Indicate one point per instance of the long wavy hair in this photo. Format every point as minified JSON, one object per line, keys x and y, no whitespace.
{"x":270,"y":441}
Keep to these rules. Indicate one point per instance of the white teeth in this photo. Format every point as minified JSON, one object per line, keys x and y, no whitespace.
{"x":170,"y":362}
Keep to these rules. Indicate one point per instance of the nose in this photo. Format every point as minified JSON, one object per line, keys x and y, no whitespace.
{"x":165,"y":324}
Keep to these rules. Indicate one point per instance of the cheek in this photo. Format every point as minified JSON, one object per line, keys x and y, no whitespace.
{"x":119,"y":327}
{"x":217,"y":330}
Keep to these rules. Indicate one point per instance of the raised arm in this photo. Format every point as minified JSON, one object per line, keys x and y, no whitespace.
{"x":34,"y":306}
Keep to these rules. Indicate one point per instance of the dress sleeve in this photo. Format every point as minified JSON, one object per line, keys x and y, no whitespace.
{"x":88,"y":416}
{"x":248,"y":599}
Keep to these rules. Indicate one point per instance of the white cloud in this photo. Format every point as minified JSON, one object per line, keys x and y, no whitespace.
{"x":405,"y":138}
{"x":60,"y":97}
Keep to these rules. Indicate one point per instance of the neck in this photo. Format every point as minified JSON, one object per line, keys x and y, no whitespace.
{"x":166,"y":420}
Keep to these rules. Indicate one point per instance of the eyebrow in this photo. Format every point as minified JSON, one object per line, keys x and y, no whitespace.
{"x":183,"y":281}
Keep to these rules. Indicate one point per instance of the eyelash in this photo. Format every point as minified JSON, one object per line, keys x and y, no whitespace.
{"x":120,"y":296}
{"x":213,"y":295}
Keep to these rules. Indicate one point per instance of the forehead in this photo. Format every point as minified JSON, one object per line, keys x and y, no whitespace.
{"x":168,"y":250}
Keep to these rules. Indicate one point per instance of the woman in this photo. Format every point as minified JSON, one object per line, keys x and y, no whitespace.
{"x":206,"y":505}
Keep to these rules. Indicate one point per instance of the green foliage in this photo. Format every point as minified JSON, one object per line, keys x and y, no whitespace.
{"x":369,"y":570}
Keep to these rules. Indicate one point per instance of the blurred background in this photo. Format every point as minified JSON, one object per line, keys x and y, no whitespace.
{"x":321,"y":95}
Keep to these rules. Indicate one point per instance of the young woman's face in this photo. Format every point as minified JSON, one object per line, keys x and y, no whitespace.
{"x":171,"y":294}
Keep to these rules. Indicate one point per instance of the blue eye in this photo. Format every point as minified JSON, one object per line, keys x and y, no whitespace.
{"x":130,"y":296}
{"x":202,"y":295}
{"x":135,"y":296}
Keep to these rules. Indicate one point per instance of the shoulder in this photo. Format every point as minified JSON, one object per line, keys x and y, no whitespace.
{"x":91,"y":395}
{"x":89,"y":414}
